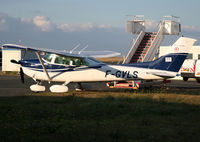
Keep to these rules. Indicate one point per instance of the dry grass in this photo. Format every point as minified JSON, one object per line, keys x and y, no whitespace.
{"x":111,"y":59}
{"x":101,"y":116}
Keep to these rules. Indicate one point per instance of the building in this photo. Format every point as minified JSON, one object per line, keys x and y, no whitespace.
{"x":193,"y":54}
{"x":7,"y":55}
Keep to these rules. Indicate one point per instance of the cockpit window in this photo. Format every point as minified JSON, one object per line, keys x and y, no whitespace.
{"x":72,"y":61}
{"x":48,"y":57}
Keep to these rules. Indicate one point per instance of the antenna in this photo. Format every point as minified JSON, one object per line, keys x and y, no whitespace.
{"x":71,"y":51}
{"x":83,"y":49}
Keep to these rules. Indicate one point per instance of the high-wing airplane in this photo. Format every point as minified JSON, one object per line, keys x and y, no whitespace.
{"x":62,"y":67}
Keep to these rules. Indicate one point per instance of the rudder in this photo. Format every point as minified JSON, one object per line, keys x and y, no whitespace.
{"x":170,"y":62}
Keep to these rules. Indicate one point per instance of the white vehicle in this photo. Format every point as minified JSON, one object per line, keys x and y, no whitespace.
{"x":190,"y":69}
{"x":67,"y":68}
{"x":197,"y":71}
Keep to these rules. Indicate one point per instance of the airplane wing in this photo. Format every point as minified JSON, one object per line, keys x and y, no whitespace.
{"x":162,"y":74}
{"x":96,"y":54}
{"x":54,"y":51}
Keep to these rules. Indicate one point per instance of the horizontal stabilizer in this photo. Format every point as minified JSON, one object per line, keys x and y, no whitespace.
{"x":162,"y":74}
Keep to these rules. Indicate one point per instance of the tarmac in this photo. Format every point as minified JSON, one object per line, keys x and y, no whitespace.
{"x":11,"y":85}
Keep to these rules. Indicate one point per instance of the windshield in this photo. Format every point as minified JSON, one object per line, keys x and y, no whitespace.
{"x":72,"y":61}
{"x":48,"y":57}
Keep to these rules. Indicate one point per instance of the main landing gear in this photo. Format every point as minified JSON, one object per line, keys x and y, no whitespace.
{"x":54,"y":88}
{"x":37,"y":88}
{"x":78,"y":87}
{"x":58,"y":88}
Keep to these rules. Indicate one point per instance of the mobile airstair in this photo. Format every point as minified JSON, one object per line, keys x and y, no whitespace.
{"x":146,"y":45}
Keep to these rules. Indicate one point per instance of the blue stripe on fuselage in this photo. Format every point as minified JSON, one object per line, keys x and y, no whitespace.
{"x":34,"y":64}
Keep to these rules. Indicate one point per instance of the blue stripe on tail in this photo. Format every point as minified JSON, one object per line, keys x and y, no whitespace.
{"x":170,"y":62}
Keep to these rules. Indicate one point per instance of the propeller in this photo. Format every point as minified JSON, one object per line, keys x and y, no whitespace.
{"x":21,"y":70}
{"x":15,"y":62}
{"x":21,"y":74}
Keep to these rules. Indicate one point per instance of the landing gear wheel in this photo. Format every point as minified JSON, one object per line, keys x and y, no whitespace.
{"x":185,"y":78}
{"x":198,"y":80}
{"x":35,"y":91}
{"x":79,"y":87}
{"x":58,"y":89}
{"x":37,"y":88}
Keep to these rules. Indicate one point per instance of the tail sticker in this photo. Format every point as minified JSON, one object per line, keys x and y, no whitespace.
{"x":168,"y":59}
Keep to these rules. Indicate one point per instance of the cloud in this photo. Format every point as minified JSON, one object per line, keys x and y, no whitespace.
{"x":3,"y":26}
{"x":76,"y":28}
{"x":25,"y":20}
{"x":42,"y":32}
{"x":82,"y":27}
{"x":191,"y":29}
{"x":151,"y":24}
{"x":43,"y":23}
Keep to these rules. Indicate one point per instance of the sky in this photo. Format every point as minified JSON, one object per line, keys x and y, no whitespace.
{"x":100,"y":24}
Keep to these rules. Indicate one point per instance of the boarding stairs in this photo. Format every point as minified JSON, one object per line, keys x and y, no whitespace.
{"x":145,"y":47}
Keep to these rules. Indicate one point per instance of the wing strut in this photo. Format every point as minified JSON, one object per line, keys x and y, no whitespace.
{"x":40,"y":59}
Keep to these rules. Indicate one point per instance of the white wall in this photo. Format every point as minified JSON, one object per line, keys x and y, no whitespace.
{"x":195,"y":50}
{"x":8,"y":55}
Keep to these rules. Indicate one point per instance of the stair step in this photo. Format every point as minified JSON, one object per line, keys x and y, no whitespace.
{"x":150,"y":33}
{"x":144,"y":45}
{"x":140,"y":53}
{"x":134,"y":61}
{"x":140,"y":50}
{"x":148,"y":44}
{"x":145,"y":41}
{"x":139,"y":56}
{"x":147,"y":38}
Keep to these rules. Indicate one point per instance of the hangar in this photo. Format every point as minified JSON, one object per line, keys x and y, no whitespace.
{"x":7,"y":55}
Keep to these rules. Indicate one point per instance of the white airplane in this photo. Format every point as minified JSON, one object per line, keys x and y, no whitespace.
{"x":68,"y":68}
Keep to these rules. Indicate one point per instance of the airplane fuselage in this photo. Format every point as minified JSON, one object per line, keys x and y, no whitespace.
{"x":103,"y":73}
{"x":54,"y":66}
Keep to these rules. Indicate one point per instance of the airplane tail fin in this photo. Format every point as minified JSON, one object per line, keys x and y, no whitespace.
{"x":182,"y":45}
{"x":170,"y":62}
{"x":174,"y":60}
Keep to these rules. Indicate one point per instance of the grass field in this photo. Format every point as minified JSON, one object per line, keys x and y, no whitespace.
{"x":101,"y":117}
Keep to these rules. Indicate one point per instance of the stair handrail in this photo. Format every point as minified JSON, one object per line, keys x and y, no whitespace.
{"x":134,"y":39}
{"x":134,"y":47}
{"x":157,"y":40}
